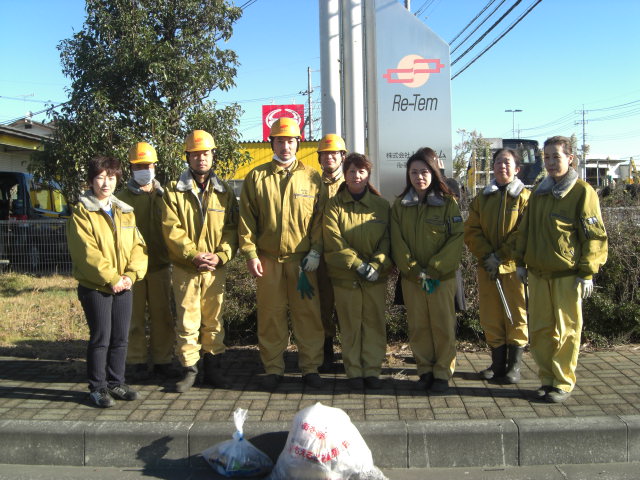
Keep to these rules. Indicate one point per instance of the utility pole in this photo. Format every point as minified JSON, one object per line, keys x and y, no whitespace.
{"x":308,"y":92}
{"x":583,"y":168}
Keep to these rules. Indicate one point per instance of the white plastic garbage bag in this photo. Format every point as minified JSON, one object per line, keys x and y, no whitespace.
{"x":238,"y":457}
{"x":323,"y":444}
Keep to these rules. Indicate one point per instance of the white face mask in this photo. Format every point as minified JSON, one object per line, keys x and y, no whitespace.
{"x":143,"y":177}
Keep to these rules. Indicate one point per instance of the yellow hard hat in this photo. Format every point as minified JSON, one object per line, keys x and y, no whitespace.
{"x":285,"y":127}
{"x":142,"y":152}
{"x":199,"y":140}
{"x":331,"y":143}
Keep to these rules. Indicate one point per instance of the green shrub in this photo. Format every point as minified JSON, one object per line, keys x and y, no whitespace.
{"x":239,"y":314}
{"x":612,"y":314}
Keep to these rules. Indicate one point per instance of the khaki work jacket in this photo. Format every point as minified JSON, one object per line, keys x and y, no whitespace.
{"x":426,"y":236}
{"x":494,"y":217}
{"x":356,"y":231}
{"x":562,"y":232}
{"x":103,"y":248}
{"x":281,"y":212}
{"x":194,"y":222}
{"x":147,"y":207}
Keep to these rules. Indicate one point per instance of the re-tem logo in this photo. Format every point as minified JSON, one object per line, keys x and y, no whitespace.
{"x":419,"y":103}
{"x":413,"y":71}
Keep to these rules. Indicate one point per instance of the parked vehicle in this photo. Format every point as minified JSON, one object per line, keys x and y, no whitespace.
{"x":32,"y":223}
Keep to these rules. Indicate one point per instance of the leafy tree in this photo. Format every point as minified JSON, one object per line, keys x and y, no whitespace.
{"x":471,"y":143}
{"x":142,"y":70}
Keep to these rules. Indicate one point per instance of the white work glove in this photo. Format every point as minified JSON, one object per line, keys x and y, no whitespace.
{"x":587,"y":286}
{"x":311,"y":261}
{"x":367,"y":272}
{"x":522,"y":274}
{"x":491,"y":264}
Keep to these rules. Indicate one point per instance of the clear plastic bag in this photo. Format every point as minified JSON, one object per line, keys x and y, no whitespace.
{"x":238,"y":457}
{"x":323,"y":444}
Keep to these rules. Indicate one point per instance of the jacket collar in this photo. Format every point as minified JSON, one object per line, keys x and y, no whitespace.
{"x":411,"y":199}
{"x":559,"y":189}
{"x":276,"y":167}
{"x":347,"y":198}
{"x":513,"y":189}
{"x":134,"y":188}
{"x":185,"y":182}
{"x":91,"y":202}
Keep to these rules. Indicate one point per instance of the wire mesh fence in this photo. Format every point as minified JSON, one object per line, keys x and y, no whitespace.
{"x":36,"y":247}
{"x":39,"y":247}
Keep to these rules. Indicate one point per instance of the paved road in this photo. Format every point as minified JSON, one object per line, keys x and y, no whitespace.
{"x":609,"y":471}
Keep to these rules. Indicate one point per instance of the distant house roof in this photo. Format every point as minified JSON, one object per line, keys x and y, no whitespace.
{"x":14,"y":137}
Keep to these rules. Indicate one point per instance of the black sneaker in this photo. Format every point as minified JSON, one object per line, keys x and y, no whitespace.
{"x":425,"y":382}
{"x":123,"y":392}
{"x":313,"y":380}
{"x":102,"y":398}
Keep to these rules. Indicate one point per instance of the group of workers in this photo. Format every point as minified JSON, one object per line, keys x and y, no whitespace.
{"x":321,"y":247}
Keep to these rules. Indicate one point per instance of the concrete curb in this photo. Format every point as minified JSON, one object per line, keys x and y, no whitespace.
{"x":410,"y":444}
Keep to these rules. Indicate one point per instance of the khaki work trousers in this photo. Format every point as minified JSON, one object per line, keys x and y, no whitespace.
{"x":363,"y":335}
{"x":431,"y":319}
{"x":276,"y":294}
{"x":152,"y":294}
{"x":555,"y":326}
{"x":199,"y":326}
{"x":327,"y":300}
{"x":498,"y":330}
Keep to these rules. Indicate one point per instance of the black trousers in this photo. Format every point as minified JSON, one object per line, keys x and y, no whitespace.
{"x":108,"y":317}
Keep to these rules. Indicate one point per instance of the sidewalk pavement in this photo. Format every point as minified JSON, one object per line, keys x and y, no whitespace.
{"x":46,"y":418}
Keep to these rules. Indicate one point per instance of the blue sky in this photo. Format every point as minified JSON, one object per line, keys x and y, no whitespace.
{"x":565,"y":56}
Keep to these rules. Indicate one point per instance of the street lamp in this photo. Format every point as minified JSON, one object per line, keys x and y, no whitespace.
{"x":513,"y":120}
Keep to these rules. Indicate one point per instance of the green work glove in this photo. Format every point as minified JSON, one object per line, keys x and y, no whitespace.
{"x":427,"y":283}
{"x":304,"y":286}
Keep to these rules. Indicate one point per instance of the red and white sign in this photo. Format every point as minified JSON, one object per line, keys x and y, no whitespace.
{"x":270,"y":113}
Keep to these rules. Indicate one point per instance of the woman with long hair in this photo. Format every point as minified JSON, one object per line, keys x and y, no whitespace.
{"x":426,"y":244}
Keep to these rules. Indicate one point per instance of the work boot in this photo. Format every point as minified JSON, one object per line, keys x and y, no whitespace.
{"x":189,"y":375}
{"x":271,"y":381}
{"x":498,"y":364}
{"x":514,"y":362}
{"x":439,"y":385}
{"x":374,"y":383}
{"x":329,"y":356}
{"x":212,"y":371}
{"x":425,"y":382}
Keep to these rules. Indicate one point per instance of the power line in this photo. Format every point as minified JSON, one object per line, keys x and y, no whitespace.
{"x":476,"y":29}
{"x":499,"y":38}
{"x":471,"y":22}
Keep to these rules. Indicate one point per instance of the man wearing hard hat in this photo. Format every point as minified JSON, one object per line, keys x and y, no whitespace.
{"x":280,"y":234}
{"x":331,"y":154}
{"x":153,"y":293}
{"x":200,"y":221}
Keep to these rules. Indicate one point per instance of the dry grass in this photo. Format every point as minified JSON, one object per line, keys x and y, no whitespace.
{"x":41,"y":317}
